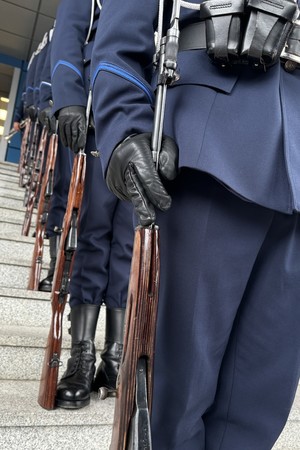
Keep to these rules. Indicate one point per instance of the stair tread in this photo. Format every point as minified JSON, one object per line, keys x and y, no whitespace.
{"x":36,"y":337}
{"x":23,"y":336}
{"x":19,"y":407}
{"x":24,"y":293}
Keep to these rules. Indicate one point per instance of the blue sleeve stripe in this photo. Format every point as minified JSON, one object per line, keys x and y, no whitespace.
{"x":66,"y":63}
{"x":108,"y":67}
{"x":29,"y":88}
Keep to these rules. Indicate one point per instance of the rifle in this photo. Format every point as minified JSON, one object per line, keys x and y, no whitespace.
{"x":134,"y":384}
{"x":60,"y":289}
{"x":131,"y":428}
{"x":42,"y":214}
{"x":30,"y":160}
{"x":35,"y":183}
{"x":12,"y":131}
{"x":24,"y":149}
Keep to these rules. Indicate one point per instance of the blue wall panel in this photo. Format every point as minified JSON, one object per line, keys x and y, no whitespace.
{"x":13,"y":148}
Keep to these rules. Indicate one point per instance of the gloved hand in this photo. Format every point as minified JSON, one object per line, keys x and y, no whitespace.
{"x":131,"y":174}
{"x":31,"y":112}
{"x":16,"y":126}
{"x":47,"y":119}
{"x":72,"y":127}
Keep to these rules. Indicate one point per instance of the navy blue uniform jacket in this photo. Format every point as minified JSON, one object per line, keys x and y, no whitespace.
{"x":45,"y":89}
{"x":71,"y":54}
{"x":39,"y":69}
{"x":29,"y":98}
{"x":241,"y":126}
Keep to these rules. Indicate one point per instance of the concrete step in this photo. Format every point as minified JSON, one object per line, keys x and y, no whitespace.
{"x":22,"y":352}
{"x":9,"y":177}
{"x":30,"y":309}
{"x":15,"y":272}
{"x":16,"y":254}
{"x":7,"y":202}
{"x":15,"y":215}
{"x":20,"y":307}
{"x":24,"y":425}
{"x":22,"y":349}
{"x":19,"y":249}
{"x":9,"y":172}
{"x":24,"y":326}
{"x":5,"y":165}
{"x":24,"y":323}
{"x":11,"y":192}
{"x":10,"y":230}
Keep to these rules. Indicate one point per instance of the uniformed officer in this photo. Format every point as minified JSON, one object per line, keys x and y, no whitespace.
{"x":31,"y":96}
{"x":102,"y":259}
{"x":19,"y":113}
{"x":29,"y":85}
{"x":62,"y":172}
{"x":227,"y":357}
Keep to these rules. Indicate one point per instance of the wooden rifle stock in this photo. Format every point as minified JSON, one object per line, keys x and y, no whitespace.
{"x":35,"y":183}
{"x":12,"y":131}
{"x":131,"y":428}
{"x":30,"y":160}
{"x":24,"y":150}
{"x":60,"y":289}
{"x":42,"y":214}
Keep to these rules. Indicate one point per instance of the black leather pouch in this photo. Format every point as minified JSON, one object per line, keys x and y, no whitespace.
{"x":290,"y":55}
{"x":223,"y":20}
{"x":269,"y":25}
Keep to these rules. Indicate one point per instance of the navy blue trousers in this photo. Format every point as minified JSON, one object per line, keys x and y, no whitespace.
{"x":227,"y":355}
{"x":103,"y":256}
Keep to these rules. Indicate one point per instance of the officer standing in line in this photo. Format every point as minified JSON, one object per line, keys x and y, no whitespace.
{"x":62,"y":172}
{"x":227,"y":358}
{"x":30,"y":109}
{"x":28,"y":93}
{"x":103,"y":256}
{"x":45,"y":92}
{"x":40,"y":61}
{"x":19,"y":114}
{"x":30,"y":80}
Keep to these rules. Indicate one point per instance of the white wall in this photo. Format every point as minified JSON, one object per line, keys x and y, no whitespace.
{"x":10,"y":111}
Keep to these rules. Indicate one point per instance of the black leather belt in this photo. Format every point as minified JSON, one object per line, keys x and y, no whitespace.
{"x":192,"y":37}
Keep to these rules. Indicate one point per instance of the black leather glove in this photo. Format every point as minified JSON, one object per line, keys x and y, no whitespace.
{"x":47,"y":119}
{"x":72,"y":127}
{"x":31,"y":112}
{"x":131,"y":174}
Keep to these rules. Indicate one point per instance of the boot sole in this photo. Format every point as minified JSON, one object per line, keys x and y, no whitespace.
{"x":72,"y":405}
{"x":43,"y":289}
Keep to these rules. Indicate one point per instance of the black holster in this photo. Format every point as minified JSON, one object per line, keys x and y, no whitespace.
{"x":223,"y":20}
{"x":269,"y":25}
{"x":290,"y":55}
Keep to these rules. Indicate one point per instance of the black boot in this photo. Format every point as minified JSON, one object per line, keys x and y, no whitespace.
{"x":46,"y":284}
{"x":107,"y":371}
{"x":74,"y":388}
